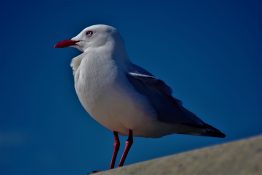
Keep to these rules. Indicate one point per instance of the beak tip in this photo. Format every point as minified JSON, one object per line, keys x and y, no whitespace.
{"x":58,"y":45}
{"x":65,"y":43}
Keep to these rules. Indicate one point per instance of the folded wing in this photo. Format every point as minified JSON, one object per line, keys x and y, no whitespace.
{"x":169,"y":109}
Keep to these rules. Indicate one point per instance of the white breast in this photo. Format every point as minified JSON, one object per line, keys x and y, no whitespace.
{"x":107,"y":96}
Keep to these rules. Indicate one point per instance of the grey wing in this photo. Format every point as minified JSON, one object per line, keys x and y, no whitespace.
{"x":169,"y":109}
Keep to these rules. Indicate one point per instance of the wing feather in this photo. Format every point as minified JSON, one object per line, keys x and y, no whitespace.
{"x":169,"y":109}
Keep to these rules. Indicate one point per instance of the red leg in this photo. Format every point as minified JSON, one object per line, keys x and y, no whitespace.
{"x":129,"y":143}
{"x":116,"y":148}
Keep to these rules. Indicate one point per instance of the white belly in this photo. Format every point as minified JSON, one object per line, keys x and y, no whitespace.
{"x":108,"y":97}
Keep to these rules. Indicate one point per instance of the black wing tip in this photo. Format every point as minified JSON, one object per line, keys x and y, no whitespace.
{"x":217,"y":134}
{"x":213,"y":132}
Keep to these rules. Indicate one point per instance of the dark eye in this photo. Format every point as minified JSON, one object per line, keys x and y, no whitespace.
{"x":89,"y":33}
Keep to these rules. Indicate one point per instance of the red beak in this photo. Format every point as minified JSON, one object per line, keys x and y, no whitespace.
{"x":65,"y":43}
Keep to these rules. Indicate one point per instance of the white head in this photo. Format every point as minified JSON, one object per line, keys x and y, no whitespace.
{"x":93,"y":36}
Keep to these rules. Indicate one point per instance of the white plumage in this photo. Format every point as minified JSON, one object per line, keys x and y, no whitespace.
{"x":121,"y":95}
{"x":124,"y":97}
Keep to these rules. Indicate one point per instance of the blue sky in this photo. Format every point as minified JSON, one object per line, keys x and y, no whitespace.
{"x":208,"y":52}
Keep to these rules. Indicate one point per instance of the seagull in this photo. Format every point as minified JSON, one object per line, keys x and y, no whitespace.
{"x":124,"y":97}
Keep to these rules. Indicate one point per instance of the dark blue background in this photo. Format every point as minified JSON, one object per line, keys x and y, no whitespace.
{"x":210,"y":53}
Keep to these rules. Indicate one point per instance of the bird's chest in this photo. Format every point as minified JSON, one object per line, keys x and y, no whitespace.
{"x":95,"y":83}
{"x":104,"y":92}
